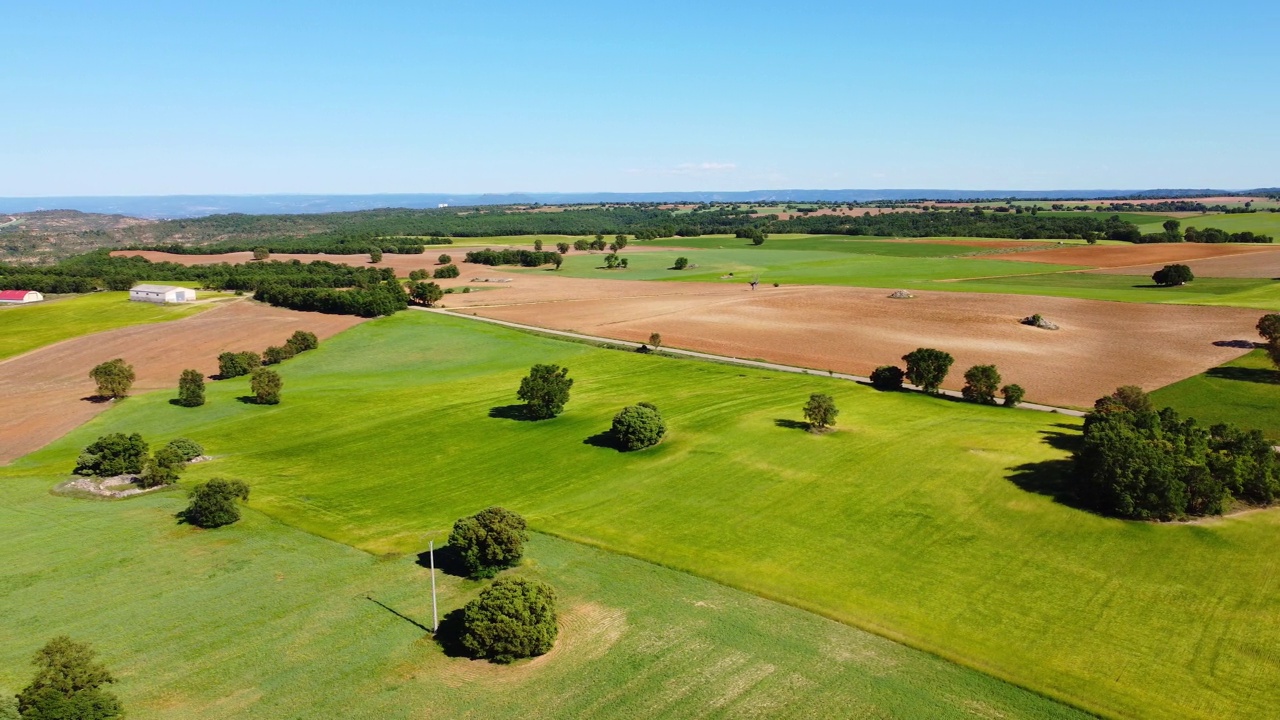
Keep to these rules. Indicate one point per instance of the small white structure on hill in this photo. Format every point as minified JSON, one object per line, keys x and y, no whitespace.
{"x":161,"y":294}
{"x":17,"y":297}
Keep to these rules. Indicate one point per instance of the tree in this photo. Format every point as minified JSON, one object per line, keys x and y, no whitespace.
{"x":611,"y":261}
{"x":636,"y":427}
{"x":186,"y":449}
{"x":887,"y":377}
{"x":426,"y":293}
{"x":581,"y":245}
{"x":513,"y":618}
{"x":1013,"y":395}
{"x":302,"y":341}
{"x":820,"y":411}
{"x":1172,"y":230}
{"x":545,"y":391}
{"x":214,"y":504}
{"x":261,"y":253}
{"x":444,"y":259}
{"x":266,"y":385}
{"x":1269,"y":327}
{"x":1127,"y":398}
{"x":557,"y":260}
{"x":680,"y":263}
{"x":68,"y":685}
{"x":191,"y":389}
{"x":114,"y":454}
{"x":980,"y":384}
{"x":562,"y":248}
{"x":375,"y":254}
{"x":236,"y":364}
{"x":416,"y":275}
{"x":1173,"y":275}
{"x":489,"y":541}
{"x":277,"y":354}
{"x":537,"y":244}
{"x":620,"y":241}
{"x":446,"y":271}
{"x":928,"y":368}
{"x":163,"y":468}
{"x":655,"y":339}
{"x":114,"y":378}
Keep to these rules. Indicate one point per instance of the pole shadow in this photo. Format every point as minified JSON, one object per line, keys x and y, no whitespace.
{"x":399,"y":614}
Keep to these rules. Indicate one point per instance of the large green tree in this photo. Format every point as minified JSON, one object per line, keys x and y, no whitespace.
{"x":215,"y":503}
{"x":489,"y":541}
{"x":191,"y":389}
{"x":266,"y":385}
{"x":114,"y":454}
{"x":114,"y":378}
{"x":928,"y":368}
{"x":68,"y":685}
{"x":636,"y":427}
{"x":1173,"y":275}
{"x":545,"y":391}
{"x":981,"y":382}
{"x":513,"y":618}
{"x":820,"y":412}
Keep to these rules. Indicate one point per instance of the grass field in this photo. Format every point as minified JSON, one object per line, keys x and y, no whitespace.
{"x":261,"y":620}
{"x":1245,"y":392}
{"x":27,"y":327}
{"x":1264,"y":223}
{"x":924,"y":520}
{"x":1258,"y":293}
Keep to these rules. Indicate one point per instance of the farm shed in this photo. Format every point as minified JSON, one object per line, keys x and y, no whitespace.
{"x":161,"y":294}
{"x":16,"y":297}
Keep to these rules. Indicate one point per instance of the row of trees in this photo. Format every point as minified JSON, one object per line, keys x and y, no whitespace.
{"x":119,"y":454}
{"x":525,"y":258}
{"x":927,"y":368}
{"x":1138,"y":463}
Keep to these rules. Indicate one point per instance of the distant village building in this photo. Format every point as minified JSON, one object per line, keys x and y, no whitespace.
{"x":17,"y":297}
{"x":161,"y":294}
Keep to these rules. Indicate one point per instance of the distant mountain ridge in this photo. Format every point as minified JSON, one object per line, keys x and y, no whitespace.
{"x":188,"y":206}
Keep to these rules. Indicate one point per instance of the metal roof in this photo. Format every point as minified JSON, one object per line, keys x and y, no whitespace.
{"x":157,"y":288}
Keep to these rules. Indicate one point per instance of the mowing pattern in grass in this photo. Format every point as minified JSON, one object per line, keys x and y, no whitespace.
{"x":28,"y":327}
{"x":927,"y":520}
{"x":259,"y":620}
{"x":1245,"y":392}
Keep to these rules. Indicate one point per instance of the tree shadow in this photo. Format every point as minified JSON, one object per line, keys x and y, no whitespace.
{"x":97,"y":399}
{"x":1052,"y":478}
{"x":448,"y":561}
{"x":604,"y":439}
{"x":519,"y":413}
{"x":399,"y":614}
{"x":1262,"y":376}
{"x":791,"y":424}
{"x":1242,"y":344}
{"x":449,"y":635}
{"x":248,"y":399}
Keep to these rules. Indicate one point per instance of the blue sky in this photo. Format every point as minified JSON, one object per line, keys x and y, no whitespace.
{"x":250,"y":97}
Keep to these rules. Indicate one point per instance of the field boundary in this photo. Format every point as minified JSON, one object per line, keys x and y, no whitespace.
{"x":725,"y":359}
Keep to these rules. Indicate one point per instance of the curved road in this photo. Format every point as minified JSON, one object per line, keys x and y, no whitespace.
{"x":721,"y":358}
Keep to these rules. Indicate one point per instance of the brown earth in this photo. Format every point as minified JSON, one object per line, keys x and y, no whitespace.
{"x":1118,"y":256}
{"x":43,"y":393}
{"x":1245,"y":265}
{"x":1101,"y":345}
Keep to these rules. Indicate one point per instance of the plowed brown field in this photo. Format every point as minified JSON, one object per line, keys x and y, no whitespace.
{"x":1116,"y":256}
{"x":1101,"y":345}
{"x":42,"y":392}
{"x":1246,"y":265}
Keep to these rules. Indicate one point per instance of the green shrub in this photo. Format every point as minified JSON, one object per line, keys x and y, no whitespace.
{"x":191,"y":389}
{"x":489,"y":541}
{"x":680,"y":263}
{"x":820,"y":412}
{"x":236,"y":364}
{"x":417,"y":275}
{"x":114,"y":454}
{"x":277,"y":354}
{"x":188,"y":450}
{"x":114,"y":378}
{"x":636,"y":427}
{"x":928,"y":368}
{"x":513,"y":618}
{"x":163,"y":468}
{"x":1013,"y":395}
{"x":68,"y":685}
{"x":444,"y":259}
{"x":266,"y":385}
{"x":887,"y":377}
{"x":302,"y":341}
{"x":448,"y":271}
{"x":214,"y":504}
{"x":545,"y":391}
{"x":375,"y":254}
{"x":261,"y":253}
{"x":980,"y":384}
{"x":1171,"y":275}
{"x":426,"y":293}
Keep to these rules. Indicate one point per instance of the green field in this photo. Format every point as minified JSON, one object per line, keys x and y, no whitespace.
{"x":261,"y":620}
{"x":27,"y":327}
{"x":1258,"y":293}
{"x":1244,"y":391}
{"x":1264,"y":223}
{"x":924,"y":520}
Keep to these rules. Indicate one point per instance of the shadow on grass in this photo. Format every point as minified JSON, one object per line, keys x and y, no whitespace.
{"x":1051,"y":478}
{"x":448,"y":561}
{"x":1253,"y":375}
{"x":252,"y":400}
{"x":518,"y":413}
{"x":604,"y":439}
{"x":449,"y":636}
{"x":400,"y":615}
{"x":791,"y":424}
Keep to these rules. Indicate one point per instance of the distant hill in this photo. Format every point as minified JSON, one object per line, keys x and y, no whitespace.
{"x":189,"y":206}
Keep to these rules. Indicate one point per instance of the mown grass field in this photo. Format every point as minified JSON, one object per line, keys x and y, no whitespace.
{"x":26,"y":327}
{"x":260,"y":620}
{"x":1245,"y":391}
{"x":1263,"y":223}
{"x":924,"y":520}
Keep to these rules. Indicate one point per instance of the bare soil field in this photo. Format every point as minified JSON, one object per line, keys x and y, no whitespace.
{"x":1245,"y":265}
{"x":1100,"y":345}
{"x":43,"y":393}
{"x":1119,"y":256}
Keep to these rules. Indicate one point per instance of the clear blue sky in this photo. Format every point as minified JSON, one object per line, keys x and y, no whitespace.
{"x":262,"y":97}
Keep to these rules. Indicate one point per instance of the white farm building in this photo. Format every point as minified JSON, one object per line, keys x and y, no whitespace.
{"x":18,"y":297}
{"x":161,"y":294}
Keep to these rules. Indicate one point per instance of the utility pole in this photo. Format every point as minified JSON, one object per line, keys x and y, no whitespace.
{"x":435,"y":616}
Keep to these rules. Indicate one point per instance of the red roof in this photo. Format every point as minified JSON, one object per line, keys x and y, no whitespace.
{"x":13,"y":294}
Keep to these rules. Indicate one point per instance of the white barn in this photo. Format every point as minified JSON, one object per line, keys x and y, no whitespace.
{"x":161,"y":294}
{"x":17,"y":297}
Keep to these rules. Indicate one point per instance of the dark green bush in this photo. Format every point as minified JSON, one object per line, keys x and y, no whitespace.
{"x":489,"y":541}
{"x":927,"y":368}
{"x":114,"y":454}
{"x":266,"y":385}
{"x":1013,"y":395}
{"x":980,"y":384}
{"x":237,"y":364}
{"x":277,"y":354}
{"x":888,"y":377}
{"x":513,"y":618}
{"x":820,"y":412}
{"x":191,"y":389}
{"x":545,"y":391}
{"x":448,"y":271}
{"x":214,"y":504}
{"x":636,"y":427}
{"x":188,"y":450}
{"x":68,"y":685}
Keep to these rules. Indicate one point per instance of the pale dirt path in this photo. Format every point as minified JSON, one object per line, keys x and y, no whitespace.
{"x":42,"y":392}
